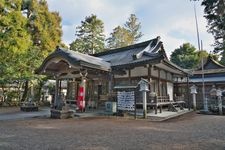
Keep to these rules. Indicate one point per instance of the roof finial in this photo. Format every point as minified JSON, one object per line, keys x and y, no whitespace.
{"x":57,"y":48}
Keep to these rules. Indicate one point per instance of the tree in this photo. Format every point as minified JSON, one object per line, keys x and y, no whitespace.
{"x":28,"y":33}
{"x":185,"y":56}
{"x":43,"y":25}
{"x":90,"y":36}
{"x":120,"y":37}
{"x":133,"y":26}
{"x":15,"y":40}
{"x":215,"y":14}
{"x":127,"y":35}
{"x":45,"y":30}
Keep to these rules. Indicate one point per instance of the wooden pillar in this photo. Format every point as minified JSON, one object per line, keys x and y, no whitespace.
{"x":60,"y":87}
{"x":56,"y":93}
{"x":188,"y":93}
{"x":129,"y":76}
{"x":110,"y":82}
{"x":166,"y":83}
{"x":149,"y":76}
{"x":158,"y":82}
{"x":114,"y":80}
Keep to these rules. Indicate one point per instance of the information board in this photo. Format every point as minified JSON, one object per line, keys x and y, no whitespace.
{"x":125,"y":100}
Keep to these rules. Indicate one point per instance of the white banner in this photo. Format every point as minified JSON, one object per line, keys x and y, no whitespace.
{"x":125,"y":100}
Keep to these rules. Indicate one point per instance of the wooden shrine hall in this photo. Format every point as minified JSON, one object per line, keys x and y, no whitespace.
{"x":91,"y":78}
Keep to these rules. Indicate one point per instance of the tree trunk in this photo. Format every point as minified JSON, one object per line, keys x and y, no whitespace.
{"x":19,"y":91}
{"x":3,"y":93}
{"x":40,"y":85}
{"x":26,"y":88}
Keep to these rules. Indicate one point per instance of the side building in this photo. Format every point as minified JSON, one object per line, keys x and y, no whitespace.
{"x":212,"y":76}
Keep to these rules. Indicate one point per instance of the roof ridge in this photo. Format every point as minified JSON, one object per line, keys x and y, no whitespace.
{"x":121,"y":49}
{"x":216,"y":62}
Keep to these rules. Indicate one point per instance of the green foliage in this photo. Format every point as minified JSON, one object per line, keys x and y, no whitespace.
{"x":133,"y":26}
{"x":215,"y":14}
{"x":90,"y":36}
{"x":15,"y":40}
{"x":186,"y":56}
{"x":44,"y":26}
{"x":127,"y":35}
{"x":120,"y":37}
{"x":28,"y":33}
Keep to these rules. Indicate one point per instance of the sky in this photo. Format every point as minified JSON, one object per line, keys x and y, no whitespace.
{"x":172,"y":20}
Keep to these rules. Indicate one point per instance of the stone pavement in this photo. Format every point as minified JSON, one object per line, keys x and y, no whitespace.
{"x":188,"y":132}
{"x":15,"y":113}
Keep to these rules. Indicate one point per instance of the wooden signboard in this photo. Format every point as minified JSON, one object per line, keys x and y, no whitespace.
{"x":125,"y":100}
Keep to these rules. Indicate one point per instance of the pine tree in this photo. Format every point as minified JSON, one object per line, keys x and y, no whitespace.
{"x":133,"y":26}
{"x":120,"y":37}
{"x":90,"y":36}
{"x":127,"y":35}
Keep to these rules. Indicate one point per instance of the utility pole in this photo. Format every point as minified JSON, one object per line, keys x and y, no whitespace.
{"x":203,"y":83}
{"x":202,"y":63}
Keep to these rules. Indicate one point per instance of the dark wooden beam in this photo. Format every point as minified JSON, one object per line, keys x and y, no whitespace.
{"x":149,"y":75}
{"x":158,"y":82}
{"x":129,"y":76}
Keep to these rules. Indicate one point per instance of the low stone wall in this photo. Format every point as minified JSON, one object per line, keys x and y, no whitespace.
{"x":61,"y":114}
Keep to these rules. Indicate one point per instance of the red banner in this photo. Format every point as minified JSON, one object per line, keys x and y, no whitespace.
{"x":80,"y":100}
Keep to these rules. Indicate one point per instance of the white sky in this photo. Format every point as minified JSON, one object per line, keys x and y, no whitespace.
{"x":172,"y":20}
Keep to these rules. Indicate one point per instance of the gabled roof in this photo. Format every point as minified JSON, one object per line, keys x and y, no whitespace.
{"x":148,"y":52}
{"x":210,"y":66}
{"x":151,"y":50}
{"x":75,"y":59}
{"x":210,"y":63}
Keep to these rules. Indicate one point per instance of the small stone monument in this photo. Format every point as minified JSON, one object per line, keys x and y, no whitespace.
{"x":29,"y":106}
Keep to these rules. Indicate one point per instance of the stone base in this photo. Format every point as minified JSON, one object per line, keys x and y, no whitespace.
{"x":206,"y":112}
{"x":29,"y":108}
{"x":61,"y":114}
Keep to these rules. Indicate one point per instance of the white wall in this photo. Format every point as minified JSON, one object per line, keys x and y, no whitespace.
{"x":162,"y":74}
{"x":139,"y":71}
{"x":170,"y":90}
{"x":123,"y":76}
{"x":154,"y":72}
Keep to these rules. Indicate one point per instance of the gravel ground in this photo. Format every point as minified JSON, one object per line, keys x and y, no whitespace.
{"x":190,"y":131}
{"x":9,"y":110}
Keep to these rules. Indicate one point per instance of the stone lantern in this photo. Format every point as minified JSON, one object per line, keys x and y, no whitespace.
{"x":144,"y":88}
{"x":219,"y":95}
{"x":194,"y":92}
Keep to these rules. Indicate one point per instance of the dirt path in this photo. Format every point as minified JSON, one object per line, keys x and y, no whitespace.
{"x":191,"y":131}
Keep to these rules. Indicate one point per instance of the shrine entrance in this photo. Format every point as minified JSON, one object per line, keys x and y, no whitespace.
{"x":86,"y":78}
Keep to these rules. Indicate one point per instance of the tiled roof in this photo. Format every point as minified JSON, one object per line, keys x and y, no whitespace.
{"x":75,"y":58}
{"x":207,"y":79}
{"x":127,"y":55}
{"x":210,"y":63}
